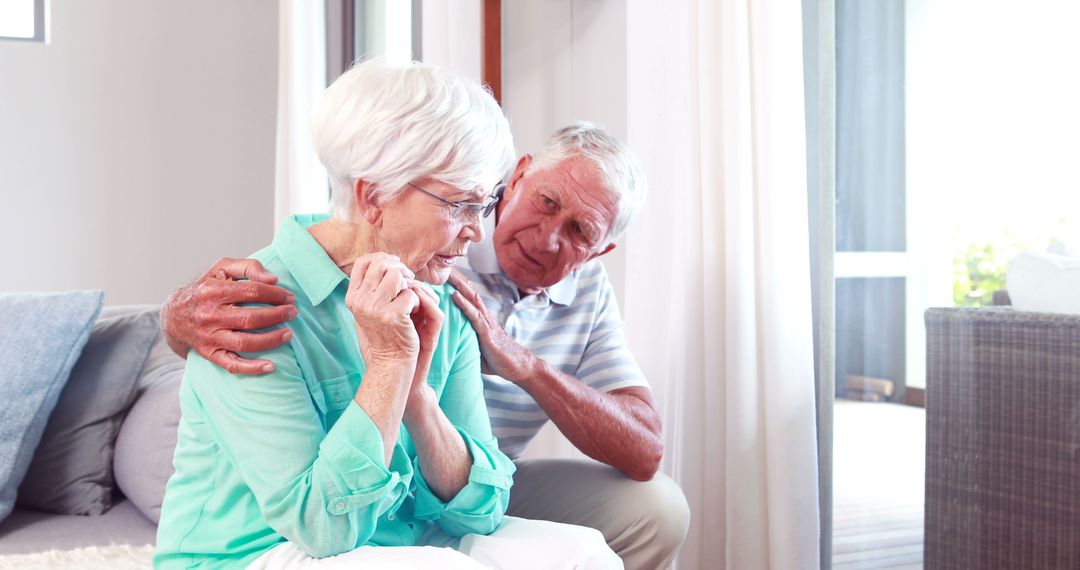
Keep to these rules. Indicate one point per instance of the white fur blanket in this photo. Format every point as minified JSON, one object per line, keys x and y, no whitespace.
{"x":115,"y":557}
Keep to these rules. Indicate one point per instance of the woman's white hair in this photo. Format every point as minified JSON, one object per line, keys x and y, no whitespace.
{"x":618,"y":167}
{"x":393,"y":124}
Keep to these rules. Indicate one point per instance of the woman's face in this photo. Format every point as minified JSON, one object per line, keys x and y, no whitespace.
{"x":423,"y":232}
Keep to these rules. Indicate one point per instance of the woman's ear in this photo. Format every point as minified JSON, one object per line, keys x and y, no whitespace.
{"x":367,"y":203}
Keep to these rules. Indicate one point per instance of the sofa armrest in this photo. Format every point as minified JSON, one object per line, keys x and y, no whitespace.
{"x":1003,"y":439}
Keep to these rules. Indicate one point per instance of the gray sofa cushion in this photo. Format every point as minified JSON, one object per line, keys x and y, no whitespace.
{"x":42,"y":338}
{"x":162,"y":366}
{"x":27,"y":531}
{"x":144,"y":449}
{"x":71,"y":472}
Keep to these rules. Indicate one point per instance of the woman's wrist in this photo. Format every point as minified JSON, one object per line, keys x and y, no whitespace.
{"x":390,"y":360}
{"x":389,"y":377}
{"x":421,"y":407}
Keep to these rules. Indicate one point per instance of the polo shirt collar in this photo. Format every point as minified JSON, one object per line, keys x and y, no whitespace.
{"x":305,"y":259}
{"x":563,"y":292}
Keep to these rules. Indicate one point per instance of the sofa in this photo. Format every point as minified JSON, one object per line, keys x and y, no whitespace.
{"x":132,"y":450}
{"x":1002,"y":438}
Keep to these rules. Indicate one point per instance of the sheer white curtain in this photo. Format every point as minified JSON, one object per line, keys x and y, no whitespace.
{"x":300,"y":184}
{"x":717,"y":303}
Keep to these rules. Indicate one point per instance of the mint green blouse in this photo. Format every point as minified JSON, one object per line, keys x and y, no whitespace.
{"x":289,"y":456}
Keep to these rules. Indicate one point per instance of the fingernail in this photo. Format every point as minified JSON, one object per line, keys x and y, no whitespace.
{"x":291,"y":299}
{"x":268,"y":368}
{"x":287,"y":336}
{"x":293,"y":312}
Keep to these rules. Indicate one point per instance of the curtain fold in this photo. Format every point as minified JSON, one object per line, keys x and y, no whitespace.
{"x":716,"y":115}
{"x":300,"y":182}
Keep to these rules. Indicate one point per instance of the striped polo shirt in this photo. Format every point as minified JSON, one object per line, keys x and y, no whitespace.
{"x":574,"y":325}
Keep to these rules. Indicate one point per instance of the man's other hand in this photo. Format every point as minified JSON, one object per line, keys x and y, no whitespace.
{"x":204,"y":315}
{"x":501,"y":355}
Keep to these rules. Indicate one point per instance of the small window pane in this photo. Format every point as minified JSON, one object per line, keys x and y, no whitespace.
{"x":18,"y":19}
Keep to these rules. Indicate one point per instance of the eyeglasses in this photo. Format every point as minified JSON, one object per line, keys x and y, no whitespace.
{"x":469,"y":212}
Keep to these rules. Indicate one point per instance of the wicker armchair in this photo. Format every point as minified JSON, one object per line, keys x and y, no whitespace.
{"x":1002,"y":439}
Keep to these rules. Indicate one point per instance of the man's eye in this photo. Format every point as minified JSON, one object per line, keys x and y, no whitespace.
{"x":548,"y":202}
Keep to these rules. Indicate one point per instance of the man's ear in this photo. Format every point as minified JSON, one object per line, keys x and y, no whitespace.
{"x":368,"y":204}
{"x":609,"y":247}
{"x":519,"y":172}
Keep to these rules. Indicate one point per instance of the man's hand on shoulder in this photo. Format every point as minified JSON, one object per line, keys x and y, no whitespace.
{"x":204,"y":315}
{"x":501,"y":354}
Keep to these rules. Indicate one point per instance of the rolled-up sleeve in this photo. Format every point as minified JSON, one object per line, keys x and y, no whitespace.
{"x":356,"y":453}
{"x":480,"y":505}
{"x":323,"y":490}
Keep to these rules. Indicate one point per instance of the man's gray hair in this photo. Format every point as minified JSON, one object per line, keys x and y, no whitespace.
{"x":618,"y":167}
{"x":392,"y":124}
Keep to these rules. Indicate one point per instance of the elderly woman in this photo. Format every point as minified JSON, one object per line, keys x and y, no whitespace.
{"x":372,"y":430}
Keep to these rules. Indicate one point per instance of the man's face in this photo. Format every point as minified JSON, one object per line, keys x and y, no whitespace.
{"x":552,"y":221}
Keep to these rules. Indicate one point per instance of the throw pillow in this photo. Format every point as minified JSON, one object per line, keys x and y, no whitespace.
{"x":1044,"y":283}
{"x":144,"y":449}
{"x":162,"y":366}
{"x":71,"y":472}
{"x":42,"y":337}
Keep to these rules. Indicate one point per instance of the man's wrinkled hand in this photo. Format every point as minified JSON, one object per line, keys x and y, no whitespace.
{"x":501,"y":355}
{"x":204,"y":315}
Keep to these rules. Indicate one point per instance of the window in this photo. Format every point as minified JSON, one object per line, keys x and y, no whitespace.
{"x":953,"y":150}
{"x":22,"y":20}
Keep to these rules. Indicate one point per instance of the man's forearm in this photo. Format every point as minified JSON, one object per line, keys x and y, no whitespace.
{"x":619,"y":428}
{"x":443,"y":455}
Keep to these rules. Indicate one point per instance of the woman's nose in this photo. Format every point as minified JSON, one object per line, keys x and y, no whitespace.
{"x":473,"y":230}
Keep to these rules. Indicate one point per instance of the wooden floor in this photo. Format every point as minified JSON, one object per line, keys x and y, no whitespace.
{"x":878,"y":469}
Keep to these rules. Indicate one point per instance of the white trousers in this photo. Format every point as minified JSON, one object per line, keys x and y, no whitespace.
{"x":517,"y":544}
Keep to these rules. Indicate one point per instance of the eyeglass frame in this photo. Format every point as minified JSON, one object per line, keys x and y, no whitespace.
{"x":483,"y":209}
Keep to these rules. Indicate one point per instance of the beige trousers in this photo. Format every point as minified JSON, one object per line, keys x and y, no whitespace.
{"x":645,"y":523}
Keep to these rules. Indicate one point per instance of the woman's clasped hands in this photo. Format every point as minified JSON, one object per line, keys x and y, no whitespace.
{"x":398,"y":319}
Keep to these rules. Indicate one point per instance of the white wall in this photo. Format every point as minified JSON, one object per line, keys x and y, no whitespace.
{"x":138,"y":146}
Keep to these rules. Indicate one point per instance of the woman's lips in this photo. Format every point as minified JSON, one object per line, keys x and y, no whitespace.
{"x":447,"y":260}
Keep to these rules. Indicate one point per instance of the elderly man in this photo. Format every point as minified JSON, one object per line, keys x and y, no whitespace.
{"x":550,"y":335}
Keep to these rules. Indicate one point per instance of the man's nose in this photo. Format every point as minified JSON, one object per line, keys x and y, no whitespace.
{"x":548,"y":238}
